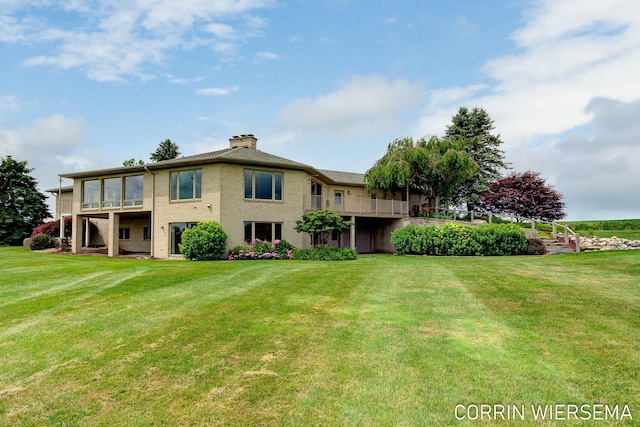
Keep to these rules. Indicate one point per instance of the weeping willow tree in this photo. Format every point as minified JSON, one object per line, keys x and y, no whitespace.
{"x":434,"y":167}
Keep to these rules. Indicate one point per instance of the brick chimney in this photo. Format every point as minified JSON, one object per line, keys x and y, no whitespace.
{"x":248,"y":141}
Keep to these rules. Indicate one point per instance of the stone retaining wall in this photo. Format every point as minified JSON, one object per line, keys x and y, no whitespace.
{"x":610,"y":243}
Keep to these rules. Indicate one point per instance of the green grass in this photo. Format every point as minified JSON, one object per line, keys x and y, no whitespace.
{"x":383,"y":340}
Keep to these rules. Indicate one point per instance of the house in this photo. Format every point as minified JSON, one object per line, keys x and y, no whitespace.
{"x":252,"y":194}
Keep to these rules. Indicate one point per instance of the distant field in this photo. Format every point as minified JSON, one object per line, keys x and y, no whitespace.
{"x":383,"y":340}
{"x":623,"y":228}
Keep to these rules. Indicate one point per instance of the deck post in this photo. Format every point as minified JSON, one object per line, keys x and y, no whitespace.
{"x":352,"y":233}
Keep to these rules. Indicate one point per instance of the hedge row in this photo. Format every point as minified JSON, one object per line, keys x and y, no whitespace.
{"x":325,"y":253}
{"x":453,"y":239}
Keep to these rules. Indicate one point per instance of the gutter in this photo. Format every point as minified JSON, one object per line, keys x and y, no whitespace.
{"x":153,"y":209}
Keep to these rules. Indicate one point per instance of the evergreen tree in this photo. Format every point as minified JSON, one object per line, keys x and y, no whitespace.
{"x":474,"y":127}
{"x":22,"y":206}
{"x":167,"y":150}
{"x":132,"y":162}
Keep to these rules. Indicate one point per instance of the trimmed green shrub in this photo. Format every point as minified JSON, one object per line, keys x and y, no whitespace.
{"x":535,"y":246}
{"x":452,"y":239}
{"x":42,"y":241}
{"x":403,"y":238}
{"x":325,"y":253}
{"x":501,"y":239}
{"x":206,"y":241}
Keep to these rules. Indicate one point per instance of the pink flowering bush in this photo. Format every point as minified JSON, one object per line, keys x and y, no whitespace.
{"x":262,"y":249}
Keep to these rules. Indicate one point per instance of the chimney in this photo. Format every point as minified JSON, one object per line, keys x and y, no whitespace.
{"x":247,"y":141}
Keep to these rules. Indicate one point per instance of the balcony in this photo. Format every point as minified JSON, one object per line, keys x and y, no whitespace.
{"x":358,"y":206}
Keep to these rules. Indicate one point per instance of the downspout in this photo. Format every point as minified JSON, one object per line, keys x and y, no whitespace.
{"x":153,"y":209}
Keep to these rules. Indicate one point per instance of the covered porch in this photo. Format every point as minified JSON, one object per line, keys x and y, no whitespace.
{"x":117,"y":233}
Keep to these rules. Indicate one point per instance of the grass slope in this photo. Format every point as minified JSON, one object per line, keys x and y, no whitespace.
{"x":383,"y":340}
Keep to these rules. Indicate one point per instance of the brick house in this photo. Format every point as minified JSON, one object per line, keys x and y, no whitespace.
{"x":252,"y":194}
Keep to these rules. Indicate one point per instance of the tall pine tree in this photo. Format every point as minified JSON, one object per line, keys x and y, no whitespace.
{"x":22,"y":206}
{"x":475,"y":126}
{"x":167,"y":150}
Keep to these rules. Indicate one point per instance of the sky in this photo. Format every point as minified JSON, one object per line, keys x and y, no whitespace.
{"x":88,"y":84}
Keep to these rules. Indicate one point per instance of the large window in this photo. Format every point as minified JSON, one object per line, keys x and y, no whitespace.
{"x":176,"y":235}
{"x":262,"y":185}
{"x":186,"y":185}
{"x":262,"y":230}
{"x":133,"y":190}
{"x":91,"y":194}
{"x":108,"y":192}
{"x":111,"y":188}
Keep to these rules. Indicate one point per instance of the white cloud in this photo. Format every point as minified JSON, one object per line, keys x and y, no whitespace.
{"x":10,"y":103}
{"x":47,"y":144}
{"x":571,"y":51}
{"x":268,"y":55}
{"x":597,"y":174}
{"x":216,"y":91}
{"x":364,"y":106}
{"x":112,"y":39}
{"x":180,"y":80}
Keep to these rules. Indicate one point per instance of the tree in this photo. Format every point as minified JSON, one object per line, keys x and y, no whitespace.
{"x":524,"y":194}
{"x":474,"y":127}
{"x":167,"y":150}
{"x":435,"y":167}
{"x":22,"y":206}
{"x":321,"y":223}
{"x":132,"y":162}
{"x":206,"y":241}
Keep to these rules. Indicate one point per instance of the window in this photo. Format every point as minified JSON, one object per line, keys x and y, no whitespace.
{"x":111,"y":192}
{"x":90,"y":194}
{"x":262,"y":185}
{"x":133,"y":190}
{"x":262,"y":230}
{"x":176,"y":235}
{"x":338,"y":198}
{"x":186,"y":185}
{"x":146,"y":233}
{"x":124,"y":233}
{"x":316,"y":195}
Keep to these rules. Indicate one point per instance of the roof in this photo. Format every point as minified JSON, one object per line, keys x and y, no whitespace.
{"x":241,"y":155}
{"x":351,"y":178}
{"x":65,"y":189}
{"x":236,"y":155}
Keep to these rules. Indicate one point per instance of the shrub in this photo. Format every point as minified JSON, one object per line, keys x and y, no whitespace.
{"x":501,"y":239}
{"x":42,"y":241}
{"x":52,"y":228}
{"x":262,"y":249}
{"x":205,"y":241}
{"x":325,"y":253}
{"x":460,"y":240}
{"x":535,"y":246}
{"x":402,"y":238}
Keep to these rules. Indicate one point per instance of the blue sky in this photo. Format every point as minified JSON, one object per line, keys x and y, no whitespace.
{"x":87,"y":84}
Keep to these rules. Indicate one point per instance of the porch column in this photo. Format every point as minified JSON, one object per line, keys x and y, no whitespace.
{"x":113,"y":242}
{"x":76,"y":233}
{"x":352,"y":233}
{"x":87,"y":233}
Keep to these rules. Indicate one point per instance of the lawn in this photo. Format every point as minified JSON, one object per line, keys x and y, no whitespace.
{"x":384,"y":340}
